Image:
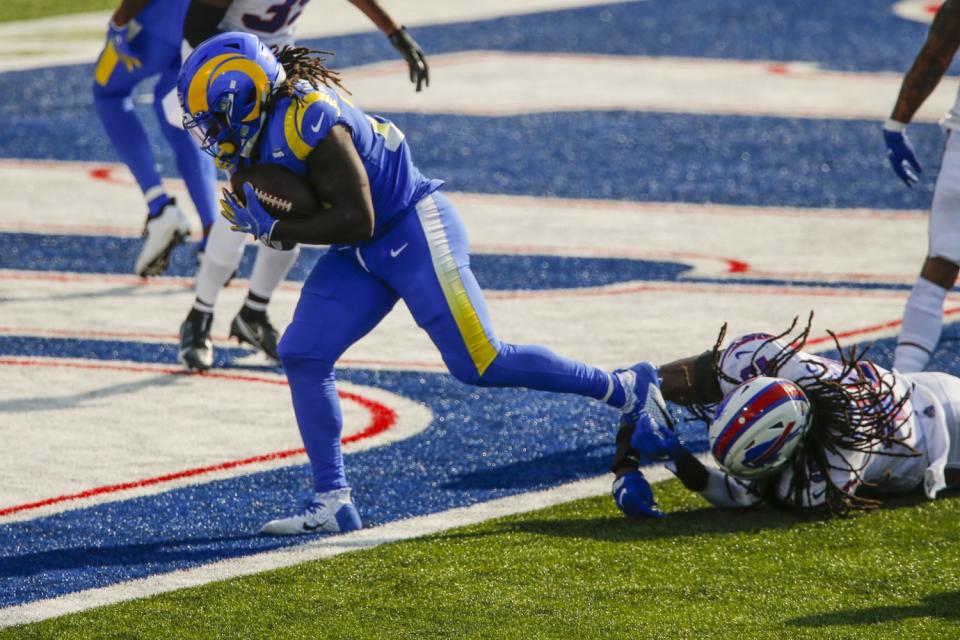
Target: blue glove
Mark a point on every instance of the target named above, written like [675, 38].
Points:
[900, 151]
[654, 440]
[119, 37]
[633, 495]
[252, 218]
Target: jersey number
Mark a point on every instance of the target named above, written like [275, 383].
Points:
[278, 16]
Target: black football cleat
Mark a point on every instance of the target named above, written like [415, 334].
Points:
[196, 348]
[254, 328]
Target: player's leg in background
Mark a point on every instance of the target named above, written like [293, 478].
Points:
[923, 314]
[112, 95]
[196, 167]
[251, 324]
[221, 258]
[340, 303]
[426, 259]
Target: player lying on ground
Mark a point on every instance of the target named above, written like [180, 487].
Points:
[394, 236]
[275, 24]
[793, 429]
[143, 41]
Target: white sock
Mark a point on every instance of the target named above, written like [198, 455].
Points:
[220, 259]
[270, 268]
[922, 325]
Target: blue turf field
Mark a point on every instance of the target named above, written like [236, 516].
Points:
[483, 443]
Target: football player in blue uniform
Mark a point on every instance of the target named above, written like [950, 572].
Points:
[275, 23]
[143, 40]
[393, 236]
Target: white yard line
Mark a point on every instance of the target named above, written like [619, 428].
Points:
[76, 39]
[318, 549]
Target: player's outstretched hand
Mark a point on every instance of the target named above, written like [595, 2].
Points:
[119, 37]
[251, 218]
[654, 440]
[900, 151]
[413, 54]
[633, 495]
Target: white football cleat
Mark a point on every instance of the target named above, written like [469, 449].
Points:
[160, 235]
[330, 512]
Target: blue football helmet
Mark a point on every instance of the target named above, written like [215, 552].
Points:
[223, 87]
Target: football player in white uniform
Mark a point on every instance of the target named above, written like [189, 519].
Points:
[274, 22]
[832, 428]
[923, 315]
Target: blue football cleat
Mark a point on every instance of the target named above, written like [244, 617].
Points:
[330, 512]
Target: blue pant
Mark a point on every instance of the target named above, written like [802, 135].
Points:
[424, 260]
[112, 95]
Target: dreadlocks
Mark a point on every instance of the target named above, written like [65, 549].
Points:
[301, 65]
[854, 409]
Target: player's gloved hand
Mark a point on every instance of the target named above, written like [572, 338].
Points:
[633, 495]
[900, 152]
[413, 54]
[252, 218]
[654, 440]
[119, 37]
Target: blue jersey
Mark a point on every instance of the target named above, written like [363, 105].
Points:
[163, 19]
[294, 128]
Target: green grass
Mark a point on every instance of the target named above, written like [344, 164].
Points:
[25, 9]
[582, 571]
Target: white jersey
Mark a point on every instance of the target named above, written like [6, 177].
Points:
[273, 21]
[921, 423]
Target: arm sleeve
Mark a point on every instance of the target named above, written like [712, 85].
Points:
[202, 22]
[723, 490]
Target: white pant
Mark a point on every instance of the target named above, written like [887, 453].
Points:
[946, 389]
[943, 231]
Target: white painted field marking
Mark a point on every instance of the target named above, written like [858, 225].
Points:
[474, 83]
[73, 39]
[325, 547]
[917, 10]
[109, 428]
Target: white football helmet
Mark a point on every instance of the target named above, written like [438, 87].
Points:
[759, 425]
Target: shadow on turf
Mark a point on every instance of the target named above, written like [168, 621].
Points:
[935, 605]
[194, 550]
[689, 522]
[538, 472]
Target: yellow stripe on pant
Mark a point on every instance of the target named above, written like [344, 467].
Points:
[481, 350]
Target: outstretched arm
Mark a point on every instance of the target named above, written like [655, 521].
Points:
[402, 41]
[931, 63]
[128, 10]
[203, 20]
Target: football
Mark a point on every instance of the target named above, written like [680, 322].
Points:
[283, 193]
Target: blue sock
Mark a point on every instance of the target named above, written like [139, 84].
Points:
[618, 396]
[317, 407]
[157, 203]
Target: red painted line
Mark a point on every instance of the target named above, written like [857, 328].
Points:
[951, 311]
[611, 290]
[67, 228]
[548, 203]
[383, 418]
